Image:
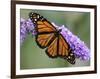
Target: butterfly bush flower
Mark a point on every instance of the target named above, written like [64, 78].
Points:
[78, 47]
[26, 27]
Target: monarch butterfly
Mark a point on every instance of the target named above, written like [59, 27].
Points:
[50, 38]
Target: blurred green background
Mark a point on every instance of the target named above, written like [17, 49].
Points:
[32, 57]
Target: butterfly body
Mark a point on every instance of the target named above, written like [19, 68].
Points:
[49, 37]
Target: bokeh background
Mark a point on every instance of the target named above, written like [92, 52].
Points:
[33, 57]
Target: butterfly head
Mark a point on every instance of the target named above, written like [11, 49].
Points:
[59, 30]
[34, 17]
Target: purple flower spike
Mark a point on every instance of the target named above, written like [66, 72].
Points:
[26, 26]
[78, 47]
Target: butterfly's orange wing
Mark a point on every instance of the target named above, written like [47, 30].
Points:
[65, 51]
[43, 40]
[44, 29]
[58, 47]
[52, 49]
[63, 47]
[44, 26]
